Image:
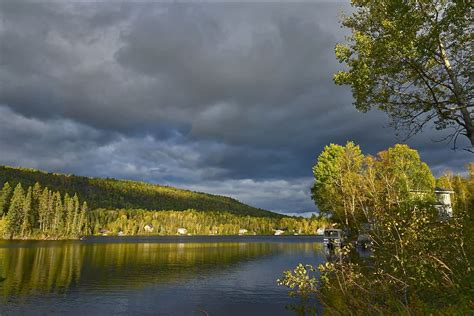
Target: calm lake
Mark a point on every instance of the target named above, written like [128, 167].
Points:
[152, 275]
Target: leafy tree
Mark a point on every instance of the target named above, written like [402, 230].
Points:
[337, 175]
[326, 171]
[413, 60]
[445, 181]
[401, 173]
[350, 186]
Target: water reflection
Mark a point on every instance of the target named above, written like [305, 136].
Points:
[26, 270]
[30, 268]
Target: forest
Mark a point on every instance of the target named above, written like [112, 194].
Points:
[35, 212]
[125, 194]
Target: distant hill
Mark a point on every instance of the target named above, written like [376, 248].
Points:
[117, 194]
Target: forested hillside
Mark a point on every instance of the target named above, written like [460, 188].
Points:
[36, 212]
[124, 194]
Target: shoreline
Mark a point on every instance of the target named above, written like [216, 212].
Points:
[170, 238]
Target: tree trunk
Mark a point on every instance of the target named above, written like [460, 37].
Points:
[459, 94]
[469, 124]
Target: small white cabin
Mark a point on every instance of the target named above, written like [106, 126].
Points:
[243, 231]
[148, 228]
[104, 231]
[182, 231]
[320, 231]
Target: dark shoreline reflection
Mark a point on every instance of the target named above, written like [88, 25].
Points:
[109, 268]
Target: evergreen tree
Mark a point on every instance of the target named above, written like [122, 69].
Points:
[5, 198]
[43, 204]
[83, 222]
[36, 195]
[58, 222]
[15, 211]
[75, 228]
[27, 225]
[69, 210]
[50, 212]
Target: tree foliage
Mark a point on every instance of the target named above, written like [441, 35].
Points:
[45, 214]
[336, 184]
[124, 194]
[15, 211]
[420, 263]
[41, 213]
[5, 198]
[133, 222]
[350, 186]
[413, 60]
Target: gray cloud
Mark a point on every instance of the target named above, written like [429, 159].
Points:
[234, 99]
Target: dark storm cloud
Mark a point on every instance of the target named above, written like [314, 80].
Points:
[212, 70]
[228, 98]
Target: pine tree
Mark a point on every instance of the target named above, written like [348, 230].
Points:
[50, 212]
[43, 204]
[5, 196]
[26, 226]
[15, 211]
[58, 224]
[83, 222]
[36, 195]
[69, 209]
[76, 230]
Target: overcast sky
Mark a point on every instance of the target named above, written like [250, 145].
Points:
[233, 99]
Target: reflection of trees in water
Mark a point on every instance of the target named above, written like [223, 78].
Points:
[27, 270]
[58, 266]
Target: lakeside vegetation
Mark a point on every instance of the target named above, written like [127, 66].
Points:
[421, 260]
[133, 222]
[35, 212]
[413, 60]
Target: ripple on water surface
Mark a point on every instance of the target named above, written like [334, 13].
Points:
[157, 275]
